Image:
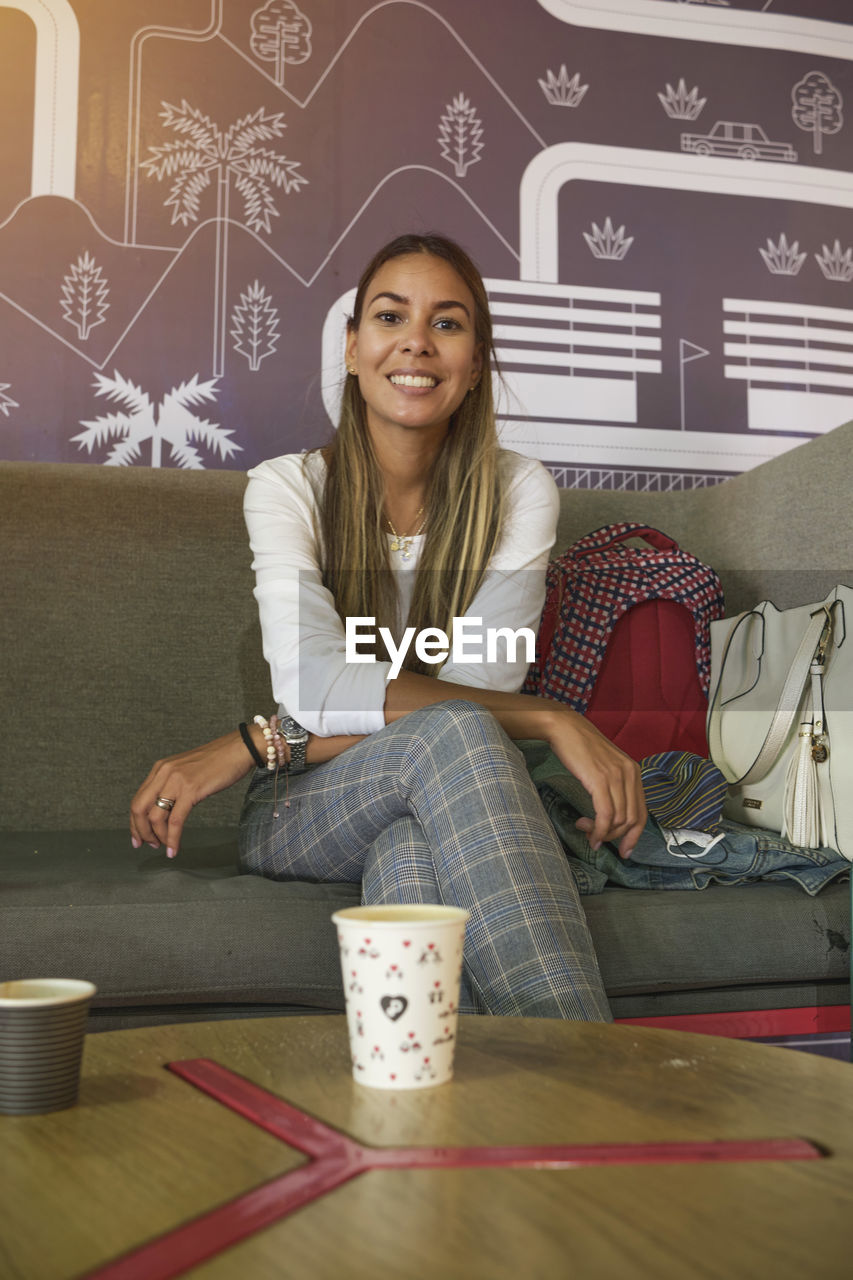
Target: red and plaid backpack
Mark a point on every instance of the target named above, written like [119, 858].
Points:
[625, 639]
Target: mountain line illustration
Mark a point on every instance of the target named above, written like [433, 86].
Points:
[205, 152]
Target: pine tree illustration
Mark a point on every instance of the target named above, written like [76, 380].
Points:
[84, 296]
[175, 424]
[6, 402]
[460, 134]
[204, 153]
[254, 325]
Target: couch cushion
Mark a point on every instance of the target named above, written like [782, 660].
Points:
[149, 931]
[152, 932]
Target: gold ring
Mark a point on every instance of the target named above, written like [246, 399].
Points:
[163, 802]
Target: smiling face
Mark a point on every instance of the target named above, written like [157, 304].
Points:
[415, 351]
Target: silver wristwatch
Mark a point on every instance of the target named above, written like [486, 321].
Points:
[297, 739]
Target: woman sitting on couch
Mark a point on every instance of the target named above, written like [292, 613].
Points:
[407, 779]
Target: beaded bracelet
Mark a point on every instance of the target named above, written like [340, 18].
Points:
[272, 754]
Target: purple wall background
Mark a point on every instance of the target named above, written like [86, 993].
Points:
[197, 340]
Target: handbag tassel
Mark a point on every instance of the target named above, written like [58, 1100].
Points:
[801, 821]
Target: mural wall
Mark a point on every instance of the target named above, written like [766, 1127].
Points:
[659, 192]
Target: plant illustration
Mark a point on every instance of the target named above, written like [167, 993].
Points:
[460, 134]
[604, 242]
[84, 296]
[204, 153]
[817, 107]
[836, 265]
[254, 325]
[281, 33]
[681, 105]
[783, 259]
[561, 91]
[174, 424]
[6, 402]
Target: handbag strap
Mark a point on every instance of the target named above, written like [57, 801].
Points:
[815, 639]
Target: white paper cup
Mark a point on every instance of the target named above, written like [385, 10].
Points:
[42, 1027]
[401, 968]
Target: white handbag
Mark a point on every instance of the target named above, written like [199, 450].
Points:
[780, 719]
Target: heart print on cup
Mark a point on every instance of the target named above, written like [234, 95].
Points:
[401, 967]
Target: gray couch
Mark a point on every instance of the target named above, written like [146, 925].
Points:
[129, 631]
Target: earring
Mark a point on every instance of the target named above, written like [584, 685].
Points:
[350, 371]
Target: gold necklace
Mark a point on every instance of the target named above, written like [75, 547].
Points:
[404, 544]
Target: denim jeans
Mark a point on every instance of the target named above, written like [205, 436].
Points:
[742, 854]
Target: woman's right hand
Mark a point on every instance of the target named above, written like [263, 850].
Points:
[186, 779]
[612, 779]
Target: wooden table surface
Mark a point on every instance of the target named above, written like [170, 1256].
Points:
[144, 1152]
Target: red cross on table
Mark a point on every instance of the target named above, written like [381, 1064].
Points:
[335, 1158]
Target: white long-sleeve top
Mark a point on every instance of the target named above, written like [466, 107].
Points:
[304, 639]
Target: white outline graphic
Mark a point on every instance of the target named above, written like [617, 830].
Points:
[561, 90]
[84, 295]
[174, 424]
[798, 346]
[214, 31]
[681, 105]
[835, 263]
[604, 242]
[738, 138]
[783, 259]
[6, 402]
[566, 162]
[254, 325]
[281, 33]
[460, 133]
[818, 107]
[57, 87]
[735, 26]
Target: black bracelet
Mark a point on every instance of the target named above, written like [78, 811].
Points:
[253, 750]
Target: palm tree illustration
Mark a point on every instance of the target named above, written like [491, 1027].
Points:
[204, 154]
[174, 424]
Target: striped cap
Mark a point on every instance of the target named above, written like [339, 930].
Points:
[683, 790]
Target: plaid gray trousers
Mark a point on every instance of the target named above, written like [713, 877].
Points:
[438, 807]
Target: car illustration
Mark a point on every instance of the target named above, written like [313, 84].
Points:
[730, 138]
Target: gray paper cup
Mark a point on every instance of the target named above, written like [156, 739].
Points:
[42, 1027]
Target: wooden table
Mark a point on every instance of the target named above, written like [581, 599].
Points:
[145, 1152]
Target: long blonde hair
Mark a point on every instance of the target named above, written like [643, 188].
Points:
[464, 498]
